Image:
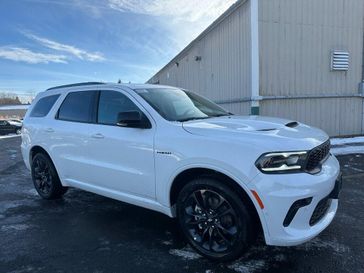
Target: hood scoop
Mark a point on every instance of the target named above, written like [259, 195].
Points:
[292, 124]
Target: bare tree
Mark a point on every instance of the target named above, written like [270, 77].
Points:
[9, 98]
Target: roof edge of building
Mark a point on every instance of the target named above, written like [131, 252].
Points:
[212, 26]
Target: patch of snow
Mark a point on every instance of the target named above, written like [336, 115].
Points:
[319, 243]
[9, 136]
[350, 140]
[356, 169]
[103, 249]
[5, 205]
[32, 192]
[15, 107]
[27, 268]
[185, 253]
[248, 266]
[280, 258]
[167, 243]
[103, 241]
[17, 227]
[345, 150]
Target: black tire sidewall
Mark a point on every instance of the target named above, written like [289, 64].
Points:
[56, 187]
[245, 224]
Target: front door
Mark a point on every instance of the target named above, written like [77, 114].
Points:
[123, 157]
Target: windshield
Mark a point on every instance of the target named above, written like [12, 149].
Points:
[178, 105]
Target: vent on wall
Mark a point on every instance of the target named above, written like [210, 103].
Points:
[340, 60]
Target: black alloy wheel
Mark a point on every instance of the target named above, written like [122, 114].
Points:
[45, 178]
[214, 219]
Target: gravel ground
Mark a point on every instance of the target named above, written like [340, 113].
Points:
[84, 232]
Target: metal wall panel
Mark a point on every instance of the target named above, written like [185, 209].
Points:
[224, 70]
[239, 108]
[337, 116]
[296, 39]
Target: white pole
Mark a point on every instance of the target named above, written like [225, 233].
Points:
[254, 29]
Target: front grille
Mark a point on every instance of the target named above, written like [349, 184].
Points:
[317, 155]
[320, 210]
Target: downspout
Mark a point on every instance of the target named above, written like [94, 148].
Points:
[254, 32]
[362, 77]
[361, 87]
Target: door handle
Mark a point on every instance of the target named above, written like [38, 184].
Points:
[98, 136]
[49, 130]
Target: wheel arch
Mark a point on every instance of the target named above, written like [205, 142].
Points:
[35, 150]
[188, 174]
[39, 149]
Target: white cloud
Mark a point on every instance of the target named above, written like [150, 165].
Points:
[19, 54]
[181, 20]
[77, 52]
[185, 10]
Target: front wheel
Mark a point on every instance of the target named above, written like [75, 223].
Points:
[18, 131]
[214, 219]
[45, 177]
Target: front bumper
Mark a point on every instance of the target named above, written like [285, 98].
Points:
[279, 192]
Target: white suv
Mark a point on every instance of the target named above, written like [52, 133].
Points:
[224, 177]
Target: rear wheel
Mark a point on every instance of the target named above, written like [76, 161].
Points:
[18, 131]
[45, 177]
[214, 219]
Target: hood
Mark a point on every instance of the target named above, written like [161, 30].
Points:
[273, 133]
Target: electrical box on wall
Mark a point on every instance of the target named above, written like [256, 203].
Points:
[339, 60]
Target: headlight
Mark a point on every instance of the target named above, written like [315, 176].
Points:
[282, 162]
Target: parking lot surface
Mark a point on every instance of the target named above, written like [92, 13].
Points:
[84, 232]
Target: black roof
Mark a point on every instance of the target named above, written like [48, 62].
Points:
[75, 84]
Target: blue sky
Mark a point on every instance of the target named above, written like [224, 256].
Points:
[47, 43]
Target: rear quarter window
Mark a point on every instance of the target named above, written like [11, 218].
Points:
[43, 106]
[79, 107]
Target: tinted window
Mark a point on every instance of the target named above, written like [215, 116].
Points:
[111, 103]
[3, 122]
[43, 106]
[78, 106]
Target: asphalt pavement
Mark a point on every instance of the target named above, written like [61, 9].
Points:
[84, 232]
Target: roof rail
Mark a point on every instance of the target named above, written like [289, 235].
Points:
[75, 84]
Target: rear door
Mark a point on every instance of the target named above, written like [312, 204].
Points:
[69, 136]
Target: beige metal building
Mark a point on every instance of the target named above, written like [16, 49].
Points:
[299, 59]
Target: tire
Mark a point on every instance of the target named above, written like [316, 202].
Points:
[18, 131]
[45, 178]
[214, 219]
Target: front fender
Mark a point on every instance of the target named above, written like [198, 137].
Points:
[164, 186]
[165, 183]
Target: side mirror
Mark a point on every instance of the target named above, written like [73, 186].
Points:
[133, 119]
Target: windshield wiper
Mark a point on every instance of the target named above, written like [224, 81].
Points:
[213, 116]
[195, 118]
[222, 115]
